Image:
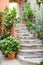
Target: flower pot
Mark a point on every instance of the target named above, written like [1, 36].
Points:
[6, 55]
[11, 56]
[13, 32]
[2, 29]
[16, 54]
[24, 21]
[36, 34]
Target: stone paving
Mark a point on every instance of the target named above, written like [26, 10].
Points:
[31, 47]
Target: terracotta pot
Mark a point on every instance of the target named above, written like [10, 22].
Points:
[11, 56]
[36, 34]
[24, 22]
[2, 28]
[6, 55]
[16, 54]
[13, 32]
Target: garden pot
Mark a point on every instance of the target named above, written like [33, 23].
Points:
[11, 56]
[36, 34]
[13, 32]
[2, 29]
[6, 55]
[15, 54]
[24, 21]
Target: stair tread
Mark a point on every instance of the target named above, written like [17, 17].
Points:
[31, 50]
[33, 60]
[31, 44]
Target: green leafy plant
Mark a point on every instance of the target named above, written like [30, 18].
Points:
[27, 4]
[41, 34]
[37, 29]
[24, 16]
[9, 18]
[10, 45]
[27, 13]
[41, 63]
[29, 24]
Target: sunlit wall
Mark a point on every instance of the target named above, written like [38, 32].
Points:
[3, 4]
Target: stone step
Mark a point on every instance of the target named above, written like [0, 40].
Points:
[31, 46]
[30, 41]
[23, 32]
[30, 36]
[21, 25]
[32, 50]
[26, 34]
[21, 29]
[29, 61]
[31, 53]
[27, 37]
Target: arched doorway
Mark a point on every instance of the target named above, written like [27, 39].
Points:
[15, 5]
[18, 4]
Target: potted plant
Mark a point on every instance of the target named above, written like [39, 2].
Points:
[2, 28]
[10, 47]
[24, 17]
[37, 31]
[24, 14]
[29, 14]
[29, 24]
[10, 20]
[41, 34]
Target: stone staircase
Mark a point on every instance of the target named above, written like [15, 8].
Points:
[31, 52]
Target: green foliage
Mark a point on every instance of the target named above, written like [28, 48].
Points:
[9, 18]
[13, 12]
[33, 27]
[41, 34]
[37, 29]
[27, 13]
[29, 24]
[27, 4]
[4, 35]
[10, 45]
[24, 15]
[41, 63]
